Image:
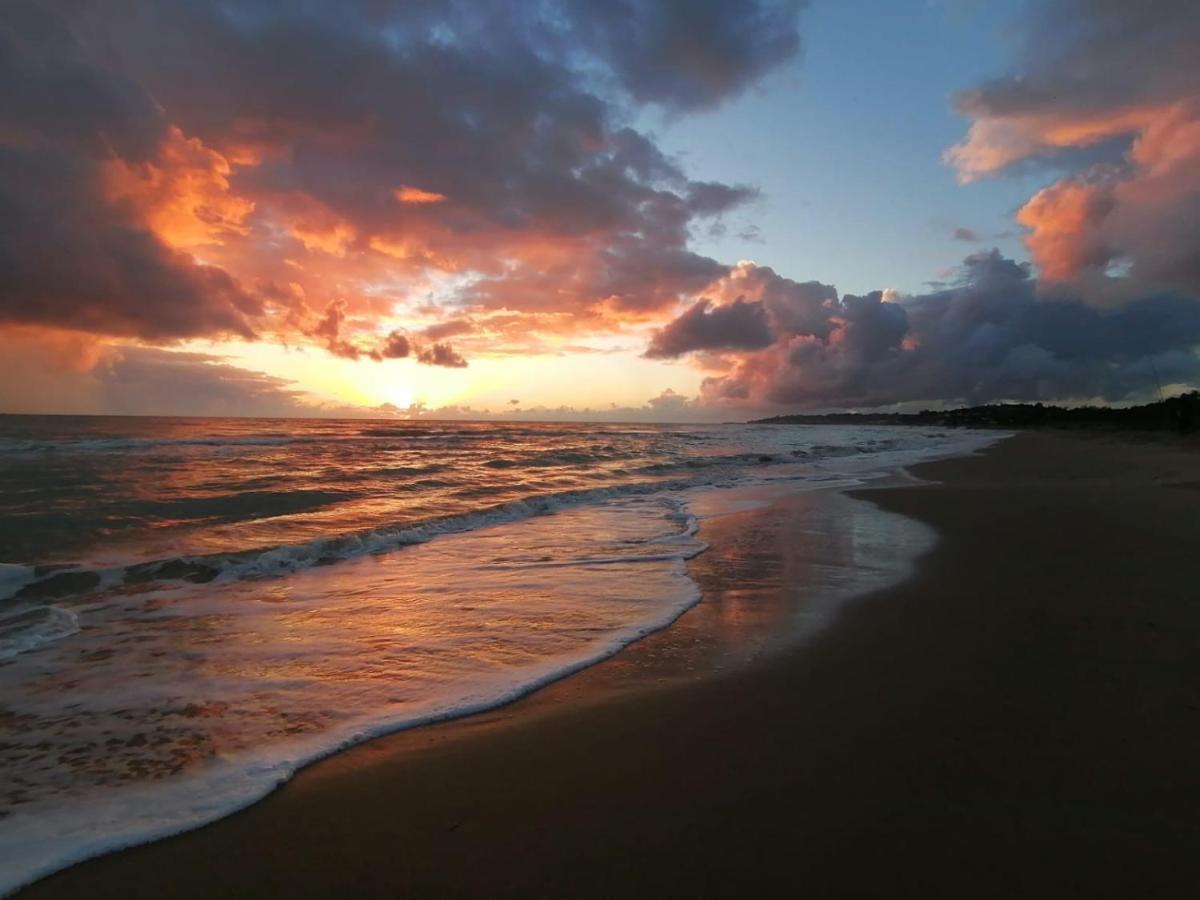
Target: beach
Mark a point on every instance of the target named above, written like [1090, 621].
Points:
[1018, 715]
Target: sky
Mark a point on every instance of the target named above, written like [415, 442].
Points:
[633, 209]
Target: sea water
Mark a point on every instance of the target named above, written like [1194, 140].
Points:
[191, 609]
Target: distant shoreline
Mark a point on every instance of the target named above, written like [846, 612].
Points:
[1180, 414]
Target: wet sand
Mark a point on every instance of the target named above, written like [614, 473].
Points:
[1019, 718]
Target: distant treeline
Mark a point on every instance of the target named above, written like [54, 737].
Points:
[1180, 414]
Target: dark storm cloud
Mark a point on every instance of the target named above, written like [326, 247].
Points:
[741, 325]
[469, 103]
[68, 256]
[54, 90]
[69, 259]
[794, 307]
[1094, 56]
[483, 137]
[989, 337]
[713, 198]
[688, 53]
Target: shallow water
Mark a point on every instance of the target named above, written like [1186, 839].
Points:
[197, 607]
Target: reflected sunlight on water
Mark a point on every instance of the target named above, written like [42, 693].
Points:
[195, 608]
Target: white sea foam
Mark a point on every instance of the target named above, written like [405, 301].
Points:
[51, 841]
[27, 628]
[347, 652]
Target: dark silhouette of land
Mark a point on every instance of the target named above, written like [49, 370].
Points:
[1174, 414]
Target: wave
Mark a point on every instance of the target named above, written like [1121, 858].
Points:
[14, 577]
[257, 504]
[836, 451]
[706, 462]
[39, 845]
[30, 628]
[61, 581]
[127, 443]
[16, 445]
[32, 529]
[550, 458]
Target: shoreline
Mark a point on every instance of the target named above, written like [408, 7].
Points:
[826, 503]
[662, 654]
[594, 782]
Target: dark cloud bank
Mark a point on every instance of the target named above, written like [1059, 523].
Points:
[1107, 93]
[991, 336]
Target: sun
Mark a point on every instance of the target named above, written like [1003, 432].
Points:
[401, 394]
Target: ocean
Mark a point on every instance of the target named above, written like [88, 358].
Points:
[191, 609]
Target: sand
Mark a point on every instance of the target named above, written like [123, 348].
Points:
[1019, 718]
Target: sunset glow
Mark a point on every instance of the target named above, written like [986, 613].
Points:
[616, 448]
[372, 241]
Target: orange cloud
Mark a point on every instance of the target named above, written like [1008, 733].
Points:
[1137, 214]
[413, 251]
[1107, 91]
[416, 196]
[995, 143]
[1063, 220]
[183, 195]
[253, 201]
[333, 238]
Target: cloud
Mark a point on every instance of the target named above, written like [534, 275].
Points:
[140, 380]
[336, 147]
[68, 259]
[375, 177]
[1110, 92]
[407, 194]
[966, 235]
[441, 355]
[740, 325]
[995, 334]
[688, 53]
[713, 198]
[668, 406]
[70, 256]
[672, 405]
[62, 372]
[449, 328]
[329, 327]
[396, 346]
[791, 306]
